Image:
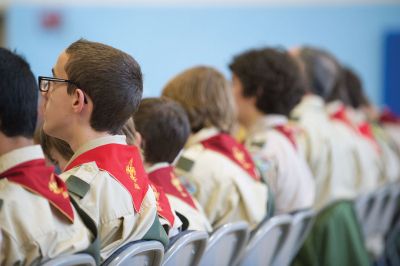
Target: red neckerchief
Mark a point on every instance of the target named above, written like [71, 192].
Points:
[163, 207]
[341, 115]
[388, 117]
[288, 132]
[165, 178]
[124, 163]
[36, 177]
[228, 146]
[366, 131]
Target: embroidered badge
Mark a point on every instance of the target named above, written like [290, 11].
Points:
[177, 184]
[53, 187]
[131, 171]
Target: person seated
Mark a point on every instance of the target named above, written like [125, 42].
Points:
[37, 219]
[266, 86]
[94, 91]
[164, 129]
[225, 179]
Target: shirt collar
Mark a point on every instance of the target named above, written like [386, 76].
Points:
[91, 144]
[267, 122]
[18, 156]
[203, 134]
[156, 166]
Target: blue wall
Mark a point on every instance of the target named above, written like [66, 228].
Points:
[168, 40]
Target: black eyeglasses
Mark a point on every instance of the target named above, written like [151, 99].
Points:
[44, 84]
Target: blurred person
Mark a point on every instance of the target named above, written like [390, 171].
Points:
[266, 86]
[384, 146]
[226, 182]
[94, 91]
[335, 237]
[37, 219]
[164, 128]
[391, 123]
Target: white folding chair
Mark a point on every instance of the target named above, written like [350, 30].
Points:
[375, 218]
[389, 210]
[300, 227]
[186, 249]
[71, 260]
[146, 253]
[266, 240]
[226, 244]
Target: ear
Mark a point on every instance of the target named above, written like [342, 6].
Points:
[78, 100]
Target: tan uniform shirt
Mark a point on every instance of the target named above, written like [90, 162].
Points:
[109, 204]
[332, 162]
[226, 192]
[196, 217]
[32, 229]
[286, 172]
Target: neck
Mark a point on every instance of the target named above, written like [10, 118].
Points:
[8, 144]
[253, 115]
[84, 135]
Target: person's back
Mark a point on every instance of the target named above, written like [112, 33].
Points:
[37, 219]
[225, 180]
[264, 102]
[329, 153]
[102, 87]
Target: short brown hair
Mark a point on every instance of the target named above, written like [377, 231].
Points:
[111, 78]
[48, 142]
[205, 95]
[164, 127]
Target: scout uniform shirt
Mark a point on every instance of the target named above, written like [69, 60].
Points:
[226, 183]
[286, 171]
[171, 223]
[163, 175]
[391, 124]
[37, 220]
[107, 179]
[324, 151]
[367, 159]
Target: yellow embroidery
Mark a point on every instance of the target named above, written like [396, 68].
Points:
[177, 184]
[55, 189]
[157, 194]
[239, 156]
[131, 171]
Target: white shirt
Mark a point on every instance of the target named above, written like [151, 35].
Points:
[288, 175]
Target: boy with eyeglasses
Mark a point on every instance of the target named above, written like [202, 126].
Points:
[99, 88]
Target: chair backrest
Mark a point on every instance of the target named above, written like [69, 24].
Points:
[186, 249]
[375, 217]
[363, 206]
[143, 252]
[71, 260]
[391, 201]
[300, 227]
[266, 240]
[226, 244]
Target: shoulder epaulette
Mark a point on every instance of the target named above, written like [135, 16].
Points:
[184, 164]
[77, 186]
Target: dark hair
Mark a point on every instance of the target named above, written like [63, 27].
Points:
[354, 89]
[164, 127]
[18, 96]
[111, 78]
[323, 73]
[270, 75]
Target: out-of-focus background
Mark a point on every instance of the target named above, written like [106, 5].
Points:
[167, 36]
